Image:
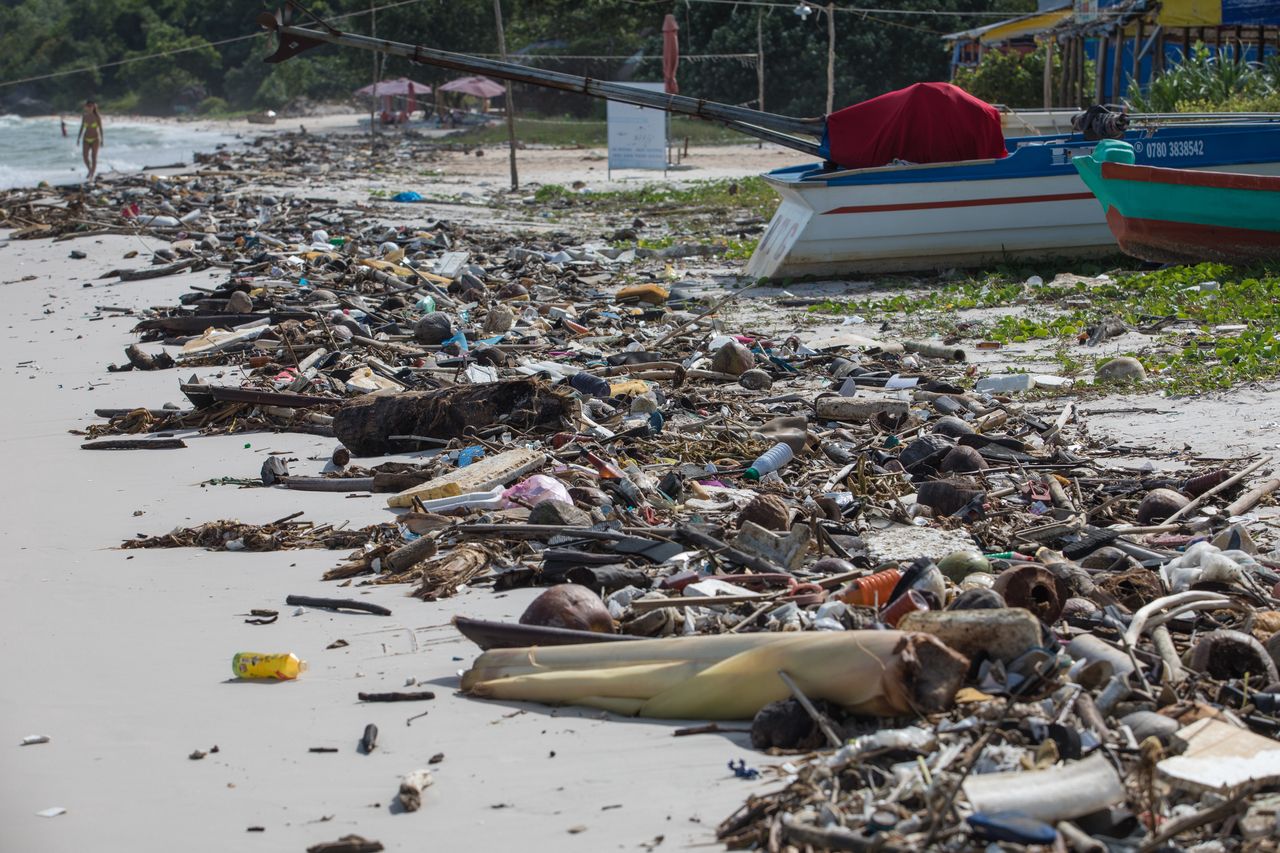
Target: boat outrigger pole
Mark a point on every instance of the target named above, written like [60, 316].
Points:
[783, 130]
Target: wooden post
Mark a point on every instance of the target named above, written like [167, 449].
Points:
[511, 109]
[1157, 60]
[1217, 41]
[1100, 85]
[1048, 72]
[1117, 62]
[373, 107]
[1061, 93]
[760, 65]
[1186, 43]
[831, 57]
[1137, 52]
[1082, 69]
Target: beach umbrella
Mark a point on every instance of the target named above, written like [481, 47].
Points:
[481, 87]
[670, 54]
[401, 86]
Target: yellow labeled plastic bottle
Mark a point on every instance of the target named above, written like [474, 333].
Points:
[257, 665]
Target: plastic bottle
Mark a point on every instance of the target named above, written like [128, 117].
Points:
[592, 386]
[284, 666]
[871, 591]
[769, 461]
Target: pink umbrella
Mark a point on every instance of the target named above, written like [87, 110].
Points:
[670, 54]
[481, 87]
[401, 86]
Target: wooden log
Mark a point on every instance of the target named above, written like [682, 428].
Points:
[329, 484]
[365, 424]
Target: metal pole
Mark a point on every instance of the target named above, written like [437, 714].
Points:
[511, 109]
[760, 64]
[831, 58]
[373, 100]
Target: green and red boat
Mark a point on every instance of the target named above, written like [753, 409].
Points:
[1183, 215]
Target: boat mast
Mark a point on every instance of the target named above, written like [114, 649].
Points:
[783, 130]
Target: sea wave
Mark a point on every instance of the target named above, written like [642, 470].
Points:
[34, 150]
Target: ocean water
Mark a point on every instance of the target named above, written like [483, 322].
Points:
[34, 150]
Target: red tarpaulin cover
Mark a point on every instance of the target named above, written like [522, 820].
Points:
[924, 123]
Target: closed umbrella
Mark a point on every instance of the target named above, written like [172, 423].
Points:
[670, 54]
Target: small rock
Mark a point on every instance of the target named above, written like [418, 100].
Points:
[560, 514]
[733, 358]
[755, 380]
[239, 303]
[1122, 369]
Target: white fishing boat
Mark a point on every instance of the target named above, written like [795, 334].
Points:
[943, 215]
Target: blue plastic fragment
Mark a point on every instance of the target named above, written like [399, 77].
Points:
[469, 454]
[407, 195]
[742, 771]
[459, 338]
[1018, 827]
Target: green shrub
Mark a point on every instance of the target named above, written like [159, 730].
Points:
[1207, 83]
[213, 106]
[1009, 78]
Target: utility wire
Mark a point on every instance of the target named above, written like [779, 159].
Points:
[86, 68]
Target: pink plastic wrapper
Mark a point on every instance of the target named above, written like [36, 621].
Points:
[536, 489]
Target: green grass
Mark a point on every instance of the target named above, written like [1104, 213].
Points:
[1192, 358]
[569, 132]
[751, 195]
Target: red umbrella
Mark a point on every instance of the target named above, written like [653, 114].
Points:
[670, 54]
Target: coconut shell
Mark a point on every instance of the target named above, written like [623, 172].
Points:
[569, 606]
[755, 380]
[963, 460]
[733, 358]
[768, 511]
[1159, 504]
[500, 319]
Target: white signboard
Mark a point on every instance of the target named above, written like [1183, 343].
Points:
[637, 135]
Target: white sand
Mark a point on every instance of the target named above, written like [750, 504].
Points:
[123, 657]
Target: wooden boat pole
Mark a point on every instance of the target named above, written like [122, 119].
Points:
[782, 130]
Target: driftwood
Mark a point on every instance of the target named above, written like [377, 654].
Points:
[417, 696]
[157, 272]
[347, 844]
[405, 558]
[136, 444]
[337, 604]
[365, 424]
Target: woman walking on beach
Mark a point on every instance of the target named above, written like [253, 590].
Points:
[91, 131]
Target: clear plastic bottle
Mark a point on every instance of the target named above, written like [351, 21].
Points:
[769, 461]
[283, 667]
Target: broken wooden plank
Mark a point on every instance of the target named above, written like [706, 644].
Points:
[479, 476]
[143, 273]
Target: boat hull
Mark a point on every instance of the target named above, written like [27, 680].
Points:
[1032, 204]
[1168, 242]
[1182, 215]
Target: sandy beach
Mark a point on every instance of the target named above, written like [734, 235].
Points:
[122, 657]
